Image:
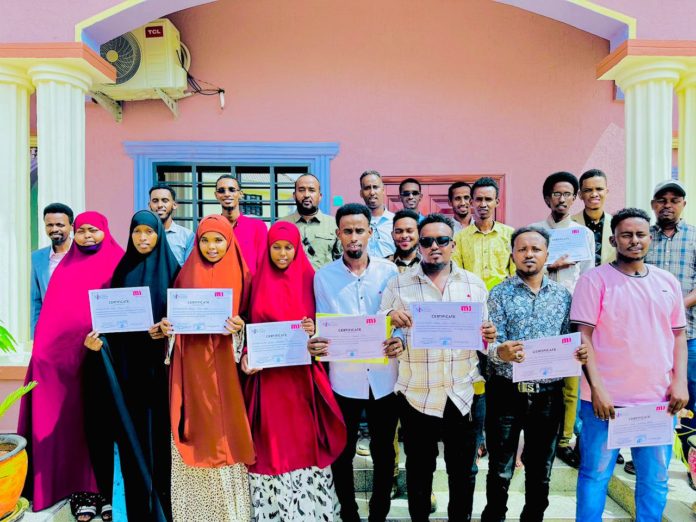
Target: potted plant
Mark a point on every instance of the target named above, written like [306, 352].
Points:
[13, 455]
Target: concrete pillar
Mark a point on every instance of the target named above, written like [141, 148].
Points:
[686, 91]
[15, 256]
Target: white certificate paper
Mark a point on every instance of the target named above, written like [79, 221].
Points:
[548, 358]
[199, 310]
[571, 241]
[638, 426]
[271, 345]
[121, 309]
[353, 337]
[450, 326]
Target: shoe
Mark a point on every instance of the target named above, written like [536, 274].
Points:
[619, 459]
[568, 455]
[363, 448]
[433, 503]
[630, 468]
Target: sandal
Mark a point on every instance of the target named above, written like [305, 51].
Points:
[107, 513]
[85, 513]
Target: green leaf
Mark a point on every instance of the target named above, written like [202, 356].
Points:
[7, 342]
[15, 396]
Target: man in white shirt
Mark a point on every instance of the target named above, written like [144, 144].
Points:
[353, 285]
[163, 203]
[381, 219]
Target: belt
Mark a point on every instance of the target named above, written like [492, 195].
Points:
[538, 387]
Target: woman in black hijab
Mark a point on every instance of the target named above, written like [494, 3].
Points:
[138, 359]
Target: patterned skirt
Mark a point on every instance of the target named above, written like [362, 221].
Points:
[305, 494]
[209, 494]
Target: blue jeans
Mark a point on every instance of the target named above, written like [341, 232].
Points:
[690, 424]
[597, 465]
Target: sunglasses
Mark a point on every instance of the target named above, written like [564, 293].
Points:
[223, 190]
[427, 242]
[310, 248]
[409, 193]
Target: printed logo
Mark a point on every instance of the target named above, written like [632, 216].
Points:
[370, 320]
[219, 294]
[566, 340]
[137, 292]
[156, 31]
[661, 407]
[465, 308]
[575, 231]
[295, 326]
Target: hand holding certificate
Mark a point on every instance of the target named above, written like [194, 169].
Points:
[199, 310]
[272, 345]
[121, 309]
[353, 337]
[548, 358]
[639, 426]
[571, 241]
[451, 326]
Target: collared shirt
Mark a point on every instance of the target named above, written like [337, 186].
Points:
[597, 228]
[337, 290]
[519, 314]
[568, 277]
[404, 266]
[458, 226]
[677, 255]
[318, 237]
[486, 254]
[427, 378]
[180, 241]
[381, 243]
[54, 258]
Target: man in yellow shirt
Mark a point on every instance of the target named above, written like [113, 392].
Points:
[484, 246]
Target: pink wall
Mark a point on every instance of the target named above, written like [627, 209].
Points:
[404, 87]
[659, 19]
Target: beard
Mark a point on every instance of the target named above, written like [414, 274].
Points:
[164, 218]
[58, 241]
[304, 211]
[405, 253]
[354, 254]
[433, 268]
[626, 259]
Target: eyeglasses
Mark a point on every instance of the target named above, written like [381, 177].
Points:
[310, 248]
[223, 190]
[409, 193]
[427, 242]
[566, 195]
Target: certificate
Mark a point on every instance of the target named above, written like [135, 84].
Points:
[571, 241]
[121, 309]
[638, 426]
[450, 326]
[277, 344]
[548, 358]
[199, 310]
[353, 337]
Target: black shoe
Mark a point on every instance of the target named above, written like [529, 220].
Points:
[619, 459]
[568, 455]
[630, 468]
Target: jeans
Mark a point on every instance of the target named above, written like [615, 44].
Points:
[459, 434]
[540, 416]
[382, 417]
[690, 424]
[597, 466]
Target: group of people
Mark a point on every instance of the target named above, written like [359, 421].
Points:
[202, 435]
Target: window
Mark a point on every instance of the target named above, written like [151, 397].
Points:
[267, 189]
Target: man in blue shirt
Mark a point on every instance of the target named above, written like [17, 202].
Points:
[163, 203]
[381, 219]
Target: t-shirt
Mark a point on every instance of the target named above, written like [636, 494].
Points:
[633, 318]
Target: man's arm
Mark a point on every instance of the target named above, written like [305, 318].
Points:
[678, 390]
[36, 299]
[458, 252]
[690, 299]
[601, 401]
[189, 246]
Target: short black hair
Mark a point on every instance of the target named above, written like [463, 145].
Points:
[352, 209]
[59, 208]
[592, 173]
[454, 186]
[485, 182]
[558, 177]
[404, 213]
[229, 176]
[307, 174]
[526, 230]
[369, 173]
[162, 186]
[628, 213]
[436, 218]
[409, 180]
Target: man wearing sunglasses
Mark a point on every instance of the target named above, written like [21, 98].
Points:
[411, 194]
[251, 233]
[435, 388]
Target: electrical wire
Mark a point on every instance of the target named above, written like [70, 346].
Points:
[195, 84]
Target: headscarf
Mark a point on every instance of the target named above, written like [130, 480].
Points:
[292, 289]
[156, 270]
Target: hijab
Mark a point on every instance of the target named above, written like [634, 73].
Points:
[292, 289]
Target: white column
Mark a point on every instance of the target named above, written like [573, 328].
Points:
[15, 256]
[686, 91]
[649, 89]
[60, 119]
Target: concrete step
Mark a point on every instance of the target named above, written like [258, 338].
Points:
[57, 513]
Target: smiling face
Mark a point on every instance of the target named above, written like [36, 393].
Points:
[593, 192]
[411, 196]
[529, 253]
[484, 202]
[213, 246]
[144, 239]
[162, 204]
[88, 235]
[58, 228]
[354, 232]
[461, 201]
[436, 255]
[561, 199]
[372, 192]
[282, 254]
[631, 239]
[227, 192]
[405, 235]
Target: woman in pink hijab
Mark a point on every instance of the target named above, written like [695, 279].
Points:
[52, 415]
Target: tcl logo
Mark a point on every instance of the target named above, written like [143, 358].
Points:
[294, 326]
[465, 308]
[566, 340]
[137, 292]
[219, 294]
[370, 320]
[155, 31]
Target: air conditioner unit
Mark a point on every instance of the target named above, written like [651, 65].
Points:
[148, 61]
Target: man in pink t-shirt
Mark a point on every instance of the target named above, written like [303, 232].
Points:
[631, 317]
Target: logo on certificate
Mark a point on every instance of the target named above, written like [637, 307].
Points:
[661, 407]
[566, 340]
[370, 320]
[219, 294]
[137, 292]
[295, 326]
[465, 308]
[575, 231]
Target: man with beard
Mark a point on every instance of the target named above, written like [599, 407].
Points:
[593, 192]
[353, 285]
[436, 387]
[459, 197]
[251, 233]
[411, 194]
[631, 318]
[405, 236]
[318, 230]
[163, 203]
[673, 248]
[381, 219]
[484, 248]
[58, 219]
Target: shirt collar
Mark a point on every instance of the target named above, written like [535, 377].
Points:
[475, 229]
[399, 262]
[561, 224]
[677, 227]
[54, 254]
[316, 218]
[517, 280]
[588, 220]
